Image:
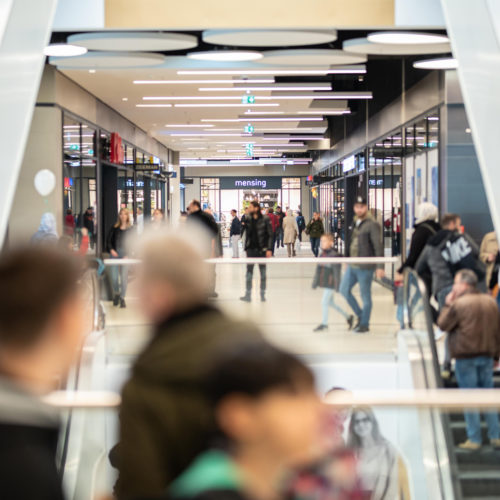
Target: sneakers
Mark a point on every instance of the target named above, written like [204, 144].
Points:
[495, 443]
[361, 329]
[320, 328]
[471, 446]
[350, 322]
[446, 370]
[116, 300]
[246, 298]
[123, 305]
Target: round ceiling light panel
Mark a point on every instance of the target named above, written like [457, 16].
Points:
[109, 60]
[269, 38]
[406, 38]
[225, 55]
[441, 63]
[134, 41]
[64, 50]
[364, 46]
[311, 57]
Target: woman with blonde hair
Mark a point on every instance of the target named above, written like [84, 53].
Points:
[116, 246]
[290, 233]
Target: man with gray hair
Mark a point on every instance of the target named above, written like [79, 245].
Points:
[472, 320]
[165, 420]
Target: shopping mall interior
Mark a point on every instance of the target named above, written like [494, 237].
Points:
[115, 106]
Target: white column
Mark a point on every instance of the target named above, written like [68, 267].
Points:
[26, 33]
[474, 27]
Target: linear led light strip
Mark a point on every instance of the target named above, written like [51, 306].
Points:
[187, 125]
[277, 87]
[354, 69]
[204, 105]
[306, 96]
[201, 82]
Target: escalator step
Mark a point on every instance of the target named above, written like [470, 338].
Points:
[486, 457]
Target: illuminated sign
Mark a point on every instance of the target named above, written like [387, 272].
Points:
[250, 182]
[349, 164]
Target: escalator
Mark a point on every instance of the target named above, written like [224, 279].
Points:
[475, 475]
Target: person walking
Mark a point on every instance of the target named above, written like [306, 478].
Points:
[69, 223]
[89, 223]
[365, 237]
[258, 243]
[274, 224]
[235, 234]
[488, 252]
[117, 247]
[328, 277]
[472, 321]
[315, 230]
[279, 230]
[243, 220]
[290, 233]
[47, 231]
[301, 224]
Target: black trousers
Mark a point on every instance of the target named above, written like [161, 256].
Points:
[252, 253]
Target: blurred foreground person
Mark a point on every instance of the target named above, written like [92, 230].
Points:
[472, 321]
[47, 231]
[268, 421]
[165, 418]
[41, 330]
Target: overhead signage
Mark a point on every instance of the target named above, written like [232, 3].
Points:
[250, 183]
[249, 129]
[248, 99]
[349, 164]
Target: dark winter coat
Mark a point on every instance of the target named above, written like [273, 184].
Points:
[165, 418]
[235, 227]
[365, 240]
[315, 228]
[265, 235]
[208, 222]
[422, 233]
[446, 253]
[328, 275]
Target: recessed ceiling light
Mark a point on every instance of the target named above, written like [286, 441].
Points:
[226, 55]
[403, 37]
[92, 71]
[353, 69]
[440, 63]
[199, 82]
[124, 98]
[63, 50]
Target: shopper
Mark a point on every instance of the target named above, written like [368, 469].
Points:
[446, 253]
[69, 223]
[275, 221]
[41, 329]
[488, 252]
[268, 419]
[382, 471]
[279, 231]
[165, 418]
[472, 321]
[207, 221]
[315, 229]
[328, 277]
[235, 234]
[158, 219]
[117, 247]
[426, 226]
[88, 222]
[47, 231]
[290, 233]
[365, 241]
[301, 224]
[243, 220]
[258, 243]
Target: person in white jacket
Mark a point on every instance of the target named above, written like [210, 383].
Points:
[290, 233]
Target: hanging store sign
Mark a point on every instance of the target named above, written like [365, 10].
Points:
[250, 182]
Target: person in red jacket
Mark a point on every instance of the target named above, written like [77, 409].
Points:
[69, 223]
[275, 222]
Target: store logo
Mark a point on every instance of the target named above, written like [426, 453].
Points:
[252, 183]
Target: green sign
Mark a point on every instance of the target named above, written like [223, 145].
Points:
[249, 149]
[74, 147]
[248, 99]
[91, 152]
[249, 129]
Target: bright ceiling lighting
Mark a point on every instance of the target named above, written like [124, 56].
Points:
[187, 125]
[406, 38]
[264, 119]
[201, 82]
[440, 63]
[201, 134]
[433, 118]
[224, 105]
[306, 96]
[355, 69]
[153, 105]
[326, 112]
[226, 55]
[249, 112]
[245, 88]
[64, 50]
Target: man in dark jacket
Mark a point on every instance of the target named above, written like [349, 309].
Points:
[279, 230]
[41, 330]
[165, 418]
[235, 234]
[258, 243]
[472, 321]
[365, 241]
[446, 253]
[315, 230]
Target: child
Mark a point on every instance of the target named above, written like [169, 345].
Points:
[328, 277]
[269, 421]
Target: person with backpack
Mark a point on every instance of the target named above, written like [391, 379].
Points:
[301, 223]
[328, 277]
[315, 230]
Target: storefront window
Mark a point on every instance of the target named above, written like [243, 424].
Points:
[291, 193]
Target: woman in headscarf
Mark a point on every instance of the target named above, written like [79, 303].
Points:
[426, 226]
[47, 231]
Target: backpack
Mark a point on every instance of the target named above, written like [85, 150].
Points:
[458, 254]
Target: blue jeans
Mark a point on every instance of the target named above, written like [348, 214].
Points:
[327, 302]
[477, 373]
[279, 237]
[119, 278]
[315, 246]
[364, 277]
